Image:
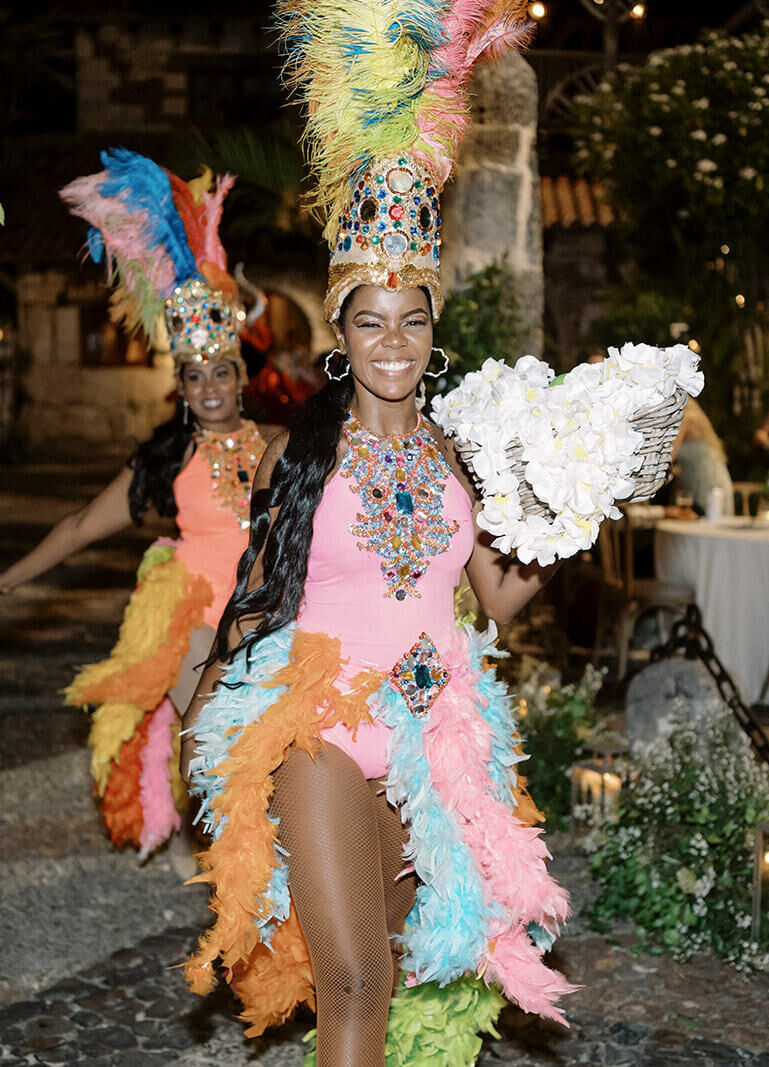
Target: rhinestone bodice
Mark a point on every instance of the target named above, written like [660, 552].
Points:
[350, 592]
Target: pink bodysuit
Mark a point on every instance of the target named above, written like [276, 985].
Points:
[345, 596]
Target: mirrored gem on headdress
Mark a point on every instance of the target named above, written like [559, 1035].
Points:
[395, 244]
[368, 210]
[400, 180]
[199, 337]
[425, 217]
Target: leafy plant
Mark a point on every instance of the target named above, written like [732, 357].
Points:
[679, 861]
[479, 321]
[556, 721]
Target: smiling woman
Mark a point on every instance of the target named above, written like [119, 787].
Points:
[352, 722]
[197, 468]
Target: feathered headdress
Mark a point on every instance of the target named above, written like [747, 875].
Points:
[385, 90]
[159, 238]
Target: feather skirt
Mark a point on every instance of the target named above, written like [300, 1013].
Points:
[134, 729]
[485, 907]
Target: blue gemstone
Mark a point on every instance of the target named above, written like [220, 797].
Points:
[436, 253]
[347, 244]
[381, 226]
[365, 229]
[413, 229]
[381, 194]
[422, 676]
[404, 503]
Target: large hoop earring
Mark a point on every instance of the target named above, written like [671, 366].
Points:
[444, 368]
[327, 368]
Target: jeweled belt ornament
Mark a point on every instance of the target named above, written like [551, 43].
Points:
[420, 677]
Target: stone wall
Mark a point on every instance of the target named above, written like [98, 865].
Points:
[492, 209]
[137, 77]
[70, 406]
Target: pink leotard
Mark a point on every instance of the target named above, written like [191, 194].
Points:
[345, 597]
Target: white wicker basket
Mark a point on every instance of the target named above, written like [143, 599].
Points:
[659, 426]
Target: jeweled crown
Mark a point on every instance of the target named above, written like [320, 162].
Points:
[389, 235]
[203, 325]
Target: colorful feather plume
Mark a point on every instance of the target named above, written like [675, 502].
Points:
[379, 77]
[153, 230]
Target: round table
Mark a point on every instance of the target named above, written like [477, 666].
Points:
[727, 565]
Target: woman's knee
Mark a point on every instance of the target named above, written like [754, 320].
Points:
[361, 987]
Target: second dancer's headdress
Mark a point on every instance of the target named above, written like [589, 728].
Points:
[384, 85]
[160, 239]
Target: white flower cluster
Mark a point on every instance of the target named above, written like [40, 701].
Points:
[579, 447]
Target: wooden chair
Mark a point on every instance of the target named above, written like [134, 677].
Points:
[624, 599]
[744, 495]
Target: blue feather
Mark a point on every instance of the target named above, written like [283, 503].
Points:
[144, 186]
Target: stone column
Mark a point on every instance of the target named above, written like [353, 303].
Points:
[492, 208]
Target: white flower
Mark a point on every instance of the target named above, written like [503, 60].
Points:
[655, 131]
[706, 166]
[702, 104]
[718, 138]
[698, 135]
[671, 163]
[576, 440]
[748, 173]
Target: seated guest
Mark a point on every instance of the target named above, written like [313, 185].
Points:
[699, 460]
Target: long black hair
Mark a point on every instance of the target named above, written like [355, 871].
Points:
[156, 463]
[296, 487]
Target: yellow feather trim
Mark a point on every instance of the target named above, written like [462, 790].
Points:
[111, 725]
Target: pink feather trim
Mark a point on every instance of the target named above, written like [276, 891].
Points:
[158, 811]
[509, 855]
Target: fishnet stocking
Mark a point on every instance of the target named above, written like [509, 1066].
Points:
[399, 892]
[331, 823]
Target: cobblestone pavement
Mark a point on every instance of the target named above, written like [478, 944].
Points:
[91, 938]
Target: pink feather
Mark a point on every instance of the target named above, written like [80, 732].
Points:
[158, 810]
[474, 30]
[509, 855]
[214, 203]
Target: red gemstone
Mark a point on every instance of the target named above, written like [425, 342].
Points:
[396, 211]
[392, 280]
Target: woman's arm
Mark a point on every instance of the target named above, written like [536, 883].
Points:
[214, 672]
[106, 514]
[502, 584]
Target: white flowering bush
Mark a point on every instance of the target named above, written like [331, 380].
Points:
[679, 862]
[682, 143]
[579, 447]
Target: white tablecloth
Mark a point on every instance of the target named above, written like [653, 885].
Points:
[727, 565]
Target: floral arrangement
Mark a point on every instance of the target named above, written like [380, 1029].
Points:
[556, 722]
[579, 447]
[694, 117]
[679, 861]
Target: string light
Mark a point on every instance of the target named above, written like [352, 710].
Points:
[638, 11]
[537, 10]
[694, 345]
[739, 300]
[725, 249]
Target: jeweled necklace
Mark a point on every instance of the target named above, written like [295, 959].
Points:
[232, 459]
[400, 482]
